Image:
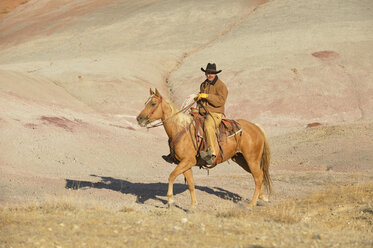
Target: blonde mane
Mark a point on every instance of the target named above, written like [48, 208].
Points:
[181, 120]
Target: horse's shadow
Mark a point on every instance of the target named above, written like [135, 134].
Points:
[146, 191]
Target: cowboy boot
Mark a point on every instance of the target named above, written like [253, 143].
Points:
[208, 157]
[169, 158]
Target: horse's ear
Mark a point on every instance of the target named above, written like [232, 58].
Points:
[157, 93]
[151, 92]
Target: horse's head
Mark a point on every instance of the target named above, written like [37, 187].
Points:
[152, 110]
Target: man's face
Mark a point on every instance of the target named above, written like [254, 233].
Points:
[210, 77]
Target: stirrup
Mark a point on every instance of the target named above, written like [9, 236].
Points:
[208, 157]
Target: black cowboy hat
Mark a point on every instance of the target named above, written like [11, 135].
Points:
[211, 68]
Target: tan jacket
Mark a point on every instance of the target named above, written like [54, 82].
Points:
[217, 95]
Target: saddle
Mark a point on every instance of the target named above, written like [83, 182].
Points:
[226, 129]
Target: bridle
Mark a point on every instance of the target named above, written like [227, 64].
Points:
[161, 123]
[156, 107]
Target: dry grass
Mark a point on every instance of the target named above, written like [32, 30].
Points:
[332, 217]
[332, 206]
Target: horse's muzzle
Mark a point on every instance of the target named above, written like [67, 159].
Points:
[142, 121]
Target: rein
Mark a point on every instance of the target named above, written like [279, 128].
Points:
[161, 123]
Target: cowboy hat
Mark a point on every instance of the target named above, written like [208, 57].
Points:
[211, 69]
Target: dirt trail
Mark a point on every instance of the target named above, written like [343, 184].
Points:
[253, 6]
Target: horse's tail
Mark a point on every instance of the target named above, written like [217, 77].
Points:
[265, 161]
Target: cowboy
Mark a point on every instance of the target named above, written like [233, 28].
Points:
[211, 100]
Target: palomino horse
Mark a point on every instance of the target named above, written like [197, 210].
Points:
[250, 149]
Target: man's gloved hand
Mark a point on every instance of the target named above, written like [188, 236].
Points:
[201, 96]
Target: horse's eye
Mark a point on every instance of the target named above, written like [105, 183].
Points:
[153, 104]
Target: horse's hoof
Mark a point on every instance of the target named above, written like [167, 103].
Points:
[192, 209]
[264, 198]
[251, 205]
[171, 205]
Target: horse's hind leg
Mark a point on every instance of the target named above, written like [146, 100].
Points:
[252, 167]
[189, 177]
[262, 196]
[258, 178]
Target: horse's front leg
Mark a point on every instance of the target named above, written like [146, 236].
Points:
[182, 167]
[189, 177]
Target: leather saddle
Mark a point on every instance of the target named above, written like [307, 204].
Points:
[226, 129]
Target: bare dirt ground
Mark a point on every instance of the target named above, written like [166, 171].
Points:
[7, 6]
[77, 171]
